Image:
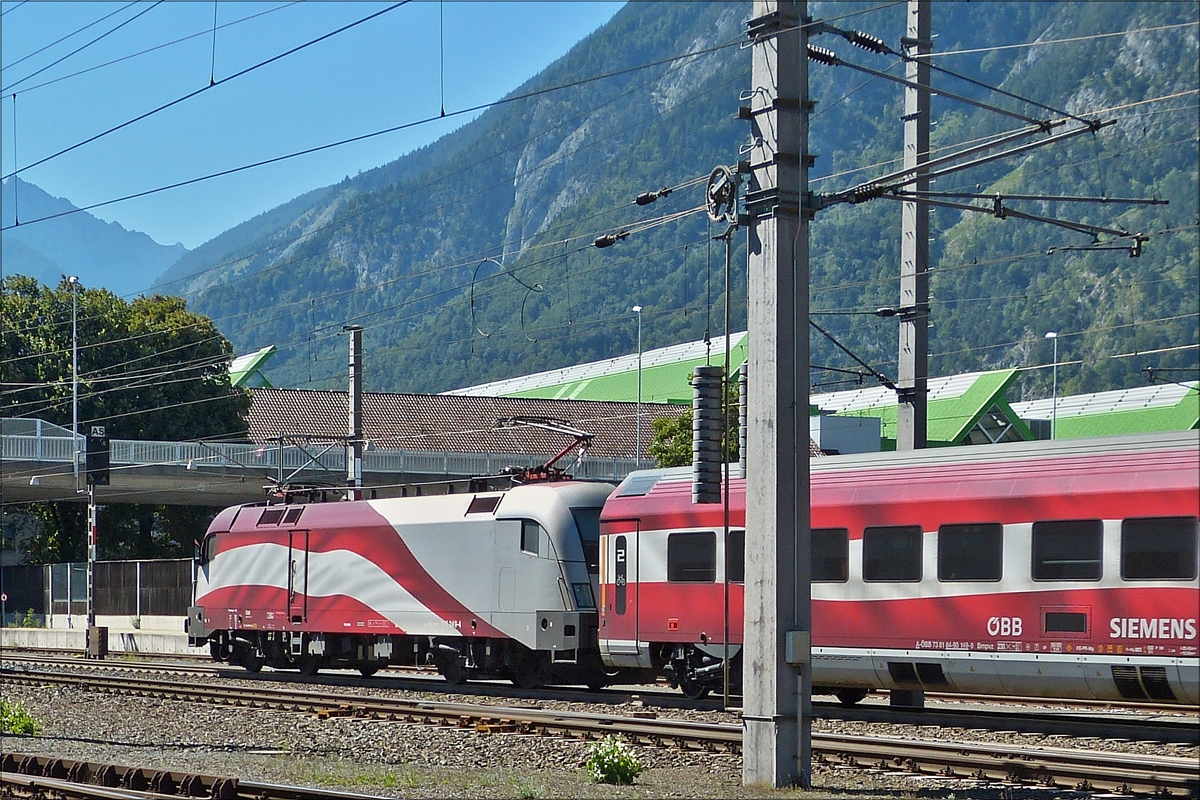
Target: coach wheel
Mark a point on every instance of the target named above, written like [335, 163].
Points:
[309, 665]
[530, 672]
[367, 671]
[849, 697]
[693, 689]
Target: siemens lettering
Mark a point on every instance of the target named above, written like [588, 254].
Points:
[1158, 628]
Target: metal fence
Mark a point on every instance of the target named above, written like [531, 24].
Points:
[122, 588]
[34, 440]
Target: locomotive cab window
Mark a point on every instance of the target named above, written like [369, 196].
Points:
[692, 557]
[1158, 548]
[1068, 550]
[970, 552]
[587, 520]
[830, 555]
[531, 534]
[892, 553]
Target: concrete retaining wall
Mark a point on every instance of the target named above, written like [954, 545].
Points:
[156, 635]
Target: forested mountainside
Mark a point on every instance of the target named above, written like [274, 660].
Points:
[472, 259]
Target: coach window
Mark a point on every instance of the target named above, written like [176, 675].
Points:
[531, 533]
[1068, 550]
[1158, 548]
[692, 557]
[970, 552]
[892, 553]
[830, 555]
[735, 557]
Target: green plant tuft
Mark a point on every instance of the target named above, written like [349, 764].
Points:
[611, 761]
[15, 719]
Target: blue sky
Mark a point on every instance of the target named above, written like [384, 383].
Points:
[383, 73]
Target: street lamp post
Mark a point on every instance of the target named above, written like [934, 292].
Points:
[638, 442]
[1053, 336]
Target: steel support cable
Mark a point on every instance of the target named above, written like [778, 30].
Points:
[889, 183]
[44, 404]
[81, 48]
[460, 287]
[61, 39]
[876, 45]
[161, 371]
[162, 46]
[332, 222]
[998, 210]
[607, 265]
[1047, 42]
[203, 89]
[824, 56]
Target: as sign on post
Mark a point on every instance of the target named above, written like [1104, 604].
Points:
[96, 461]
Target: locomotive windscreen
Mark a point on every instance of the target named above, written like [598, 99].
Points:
[587, 520]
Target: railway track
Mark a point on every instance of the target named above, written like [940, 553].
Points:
[36, 777]
[1041, 766]
[1145, 722]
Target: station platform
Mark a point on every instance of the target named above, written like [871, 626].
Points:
[154, 635]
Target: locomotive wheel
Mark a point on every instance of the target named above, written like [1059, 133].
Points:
[693, 689]
[849, 697]
[453, 670]
[252, 661]
[220, 651]
[530, 672]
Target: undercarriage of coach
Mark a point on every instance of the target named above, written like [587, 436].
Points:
[698, 670]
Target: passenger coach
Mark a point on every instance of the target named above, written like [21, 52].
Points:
[1064, 569]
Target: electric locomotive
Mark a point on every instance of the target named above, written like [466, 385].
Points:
[497, 584]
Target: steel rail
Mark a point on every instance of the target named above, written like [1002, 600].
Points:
[33, 775]
[1127, 722]
[1057, 767]
[1050, 767]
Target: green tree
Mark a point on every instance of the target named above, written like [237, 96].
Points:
[148, 369]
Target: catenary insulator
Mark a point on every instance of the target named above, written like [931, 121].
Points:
[706, 434]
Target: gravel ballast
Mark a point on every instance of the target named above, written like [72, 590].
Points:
[395, 759]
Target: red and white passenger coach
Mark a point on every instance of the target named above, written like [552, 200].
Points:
[1052, 569]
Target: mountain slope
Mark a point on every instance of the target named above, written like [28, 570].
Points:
[471, 259]
[102, 254]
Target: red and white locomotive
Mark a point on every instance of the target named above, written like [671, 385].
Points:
[483, 584]
[1064, 569]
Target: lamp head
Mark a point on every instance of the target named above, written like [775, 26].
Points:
[1052, 335]
[637, 309]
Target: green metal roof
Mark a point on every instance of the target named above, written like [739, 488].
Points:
[963, 409]
[664, 374]
[245, 372]
[1144, 409]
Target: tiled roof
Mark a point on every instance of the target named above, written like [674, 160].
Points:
[462, 424]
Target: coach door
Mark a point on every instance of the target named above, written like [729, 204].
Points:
[297, 588]
[621, 601]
